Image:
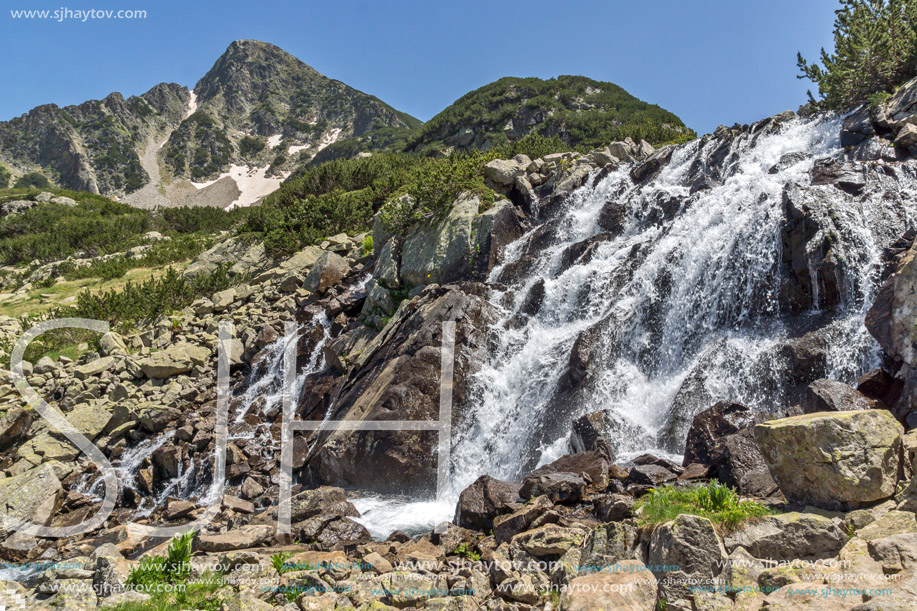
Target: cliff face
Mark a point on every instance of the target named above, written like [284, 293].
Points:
[93, 146]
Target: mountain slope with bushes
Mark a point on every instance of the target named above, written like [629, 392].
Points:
[580, 111]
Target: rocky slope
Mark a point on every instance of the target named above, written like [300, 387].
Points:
[760, 281]
[94, 146]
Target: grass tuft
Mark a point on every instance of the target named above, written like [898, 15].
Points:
[715, 501]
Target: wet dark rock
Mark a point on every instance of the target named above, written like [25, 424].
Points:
[809, 250]
[846, 176]
[397, 378]
[786, 161]
[560, 487]
[880, 385]
[483, 501]
[712, 424]
[591, 433]
[613, 217]
[833, 396]
[806, 357]
[857, 127]
[652, 165]
[582, 357]
[650, 475]
[613, 507]
[737, 461]
[593, 466]
[534, 298]
[328, 530]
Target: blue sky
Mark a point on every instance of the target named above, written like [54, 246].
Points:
[709, 61]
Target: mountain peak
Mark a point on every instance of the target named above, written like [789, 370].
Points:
[251, 67]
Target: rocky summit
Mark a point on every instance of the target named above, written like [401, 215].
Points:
[549, 351]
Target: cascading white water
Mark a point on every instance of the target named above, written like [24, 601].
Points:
[699, 299]
[267, 385]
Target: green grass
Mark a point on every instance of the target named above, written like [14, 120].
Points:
[167, 580]
[197, 594]
[466, 551]
[279, 562]
[714, 501]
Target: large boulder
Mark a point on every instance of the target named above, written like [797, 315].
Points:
[593, 432]
[246, 258]
[484, 500]
[892, 317]
[397, 377]
[326, 500]
[328, 270]
[783, 537]
[691, 544]
[631, 588]
[834, 396]
[174, 360]
[833, 458]
[34, 496]
[502, 173]
[93, 367]
[709, 426]
[242, 538]
[568, 478]
[608, 545]
[737, 461]
[442, 251]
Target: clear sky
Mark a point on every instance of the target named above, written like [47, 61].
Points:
[709, 61]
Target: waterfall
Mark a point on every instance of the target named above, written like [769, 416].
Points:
[680, 301]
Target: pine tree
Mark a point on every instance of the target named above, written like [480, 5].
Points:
[875, 50]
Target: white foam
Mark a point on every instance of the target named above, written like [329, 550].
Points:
[383, 515]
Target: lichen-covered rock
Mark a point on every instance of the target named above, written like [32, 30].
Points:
[173, 360]
[241, 538]
[327, 271]
[787, 536]
[503, 172]
[441, 252]
[833, 458]
[34, 496]
[549, 540]
[691, 544]
[632, 588]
